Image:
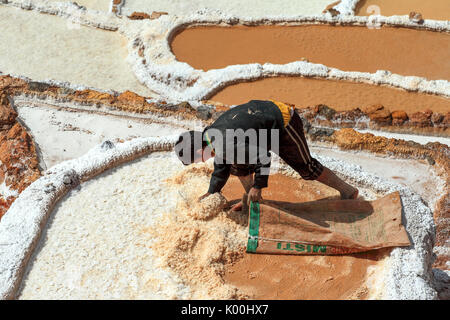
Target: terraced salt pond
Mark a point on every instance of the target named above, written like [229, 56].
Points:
[339, 95]
[96, 247]
[42, 46]
[349, 48]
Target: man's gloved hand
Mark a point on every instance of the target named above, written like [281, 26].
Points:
[254, 195]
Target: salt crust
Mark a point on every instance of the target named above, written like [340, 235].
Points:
[96, 244]
[6, 192]
[346, 7]
[408, 276]
[21, 226]
[254, 8]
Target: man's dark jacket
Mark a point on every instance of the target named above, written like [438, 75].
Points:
[256, 114]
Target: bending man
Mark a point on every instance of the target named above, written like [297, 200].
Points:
[240, 141]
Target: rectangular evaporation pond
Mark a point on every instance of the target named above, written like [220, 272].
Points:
[401, 50]
[43, 46]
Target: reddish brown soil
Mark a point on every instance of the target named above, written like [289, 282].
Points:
[143, 15]
[139, 16]
[350, 48]
[298, 277]
[18, 157]
[339, 95]
[435, 9]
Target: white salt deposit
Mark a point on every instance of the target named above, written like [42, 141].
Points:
[96, 246]
[100, 5]
[346, 7]
[157, 67]
[74, 13]
[63, 134]
[42, 46]
[154, 64]
[249, 8]
[401, 280]
[419, 176]
[6, 192]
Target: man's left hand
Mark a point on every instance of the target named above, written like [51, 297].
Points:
[254, 195]
[204, 196]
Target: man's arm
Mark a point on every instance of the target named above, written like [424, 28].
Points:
[260, 180]
[247, 182]
[262, 171]
[218, 179]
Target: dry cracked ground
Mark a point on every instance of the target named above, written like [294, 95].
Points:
[75, 75]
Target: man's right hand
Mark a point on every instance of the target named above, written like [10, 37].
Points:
[254, 195]
[204, 196]
[237, 206]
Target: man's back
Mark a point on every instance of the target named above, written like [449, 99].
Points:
[255, 114]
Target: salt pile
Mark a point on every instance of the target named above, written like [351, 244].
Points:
[199, 239]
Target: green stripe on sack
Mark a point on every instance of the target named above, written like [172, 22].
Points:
[253, 229]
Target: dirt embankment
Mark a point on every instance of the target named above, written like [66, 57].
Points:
[348, 48]
[436, 9]
[19, 164]
[127, 100]
[381, 115]
[379, 118]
